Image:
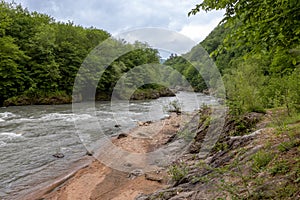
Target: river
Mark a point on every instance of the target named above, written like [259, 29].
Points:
[30, 135]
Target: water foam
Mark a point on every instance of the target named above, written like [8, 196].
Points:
[11, 134]
[6, 115]
[2, 144]
[67, 117]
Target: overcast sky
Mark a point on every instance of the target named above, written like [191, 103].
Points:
[116, 16]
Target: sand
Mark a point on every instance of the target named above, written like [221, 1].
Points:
[97, 181]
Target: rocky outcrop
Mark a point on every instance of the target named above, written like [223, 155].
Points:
[193, 185]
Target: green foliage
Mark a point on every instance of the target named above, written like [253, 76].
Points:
[178, 171]
[186, 135]
[286, 146]
[243, 84]
[185, 71]
[173, 106]
[130, 67]
[256, 47]
[11, 67]
[280, 167]
[264, 23]
[281, 120]
[252, 85]
[34, 97]
[40, 56]
[260, 160]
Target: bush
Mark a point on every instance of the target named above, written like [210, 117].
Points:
[174, 106]
[260, 160]
[178, 171]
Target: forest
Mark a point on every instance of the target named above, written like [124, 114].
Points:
[256, 47]
[41, 57]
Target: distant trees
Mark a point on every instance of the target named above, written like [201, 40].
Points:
[184, 69]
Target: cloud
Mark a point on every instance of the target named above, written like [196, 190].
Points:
[162, 39]
[117, 16]
[198, 32]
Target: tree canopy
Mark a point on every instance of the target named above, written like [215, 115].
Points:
[257, 49]
[40, 58]
[265, 23]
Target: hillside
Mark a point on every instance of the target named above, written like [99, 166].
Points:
[256, 157]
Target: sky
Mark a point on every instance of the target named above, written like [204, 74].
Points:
[117, 16]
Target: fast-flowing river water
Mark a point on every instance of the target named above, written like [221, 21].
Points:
[30, 135]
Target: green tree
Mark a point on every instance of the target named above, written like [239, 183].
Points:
[265, 23]
[40, 58]
[261, 38]
[12, 79]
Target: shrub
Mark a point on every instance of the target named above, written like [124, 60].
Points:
[260, 160]
[178, 171]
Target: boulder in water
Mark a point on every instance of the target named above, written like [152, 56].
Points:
[89, 153]
[58, 155]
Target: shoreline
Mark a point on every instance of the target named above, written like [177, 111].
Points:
[106, 183]
[60, 181]
[59, 99]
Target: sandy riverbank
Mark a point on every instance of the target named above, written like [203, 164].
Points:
[97, 181]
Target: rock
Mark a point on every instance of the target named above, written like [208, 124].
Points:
[89, 153]
[140, 123]
[206, 91]
[122, 135]
[162, 194]
[183, 196]
[58, 155]
[146, 123]
[176, 125]
[249, 136]
[154, 177]
[135, 173]
[242, 125]
[128, 165]
[165, 117]
[170, 139]
[237, 135]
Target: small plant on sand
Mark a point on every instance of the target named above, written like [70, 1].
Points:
[173, 106]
